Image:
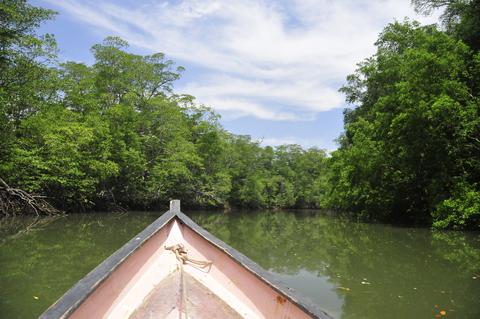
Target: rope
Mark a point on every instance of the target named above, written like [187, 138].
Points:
[182, 256]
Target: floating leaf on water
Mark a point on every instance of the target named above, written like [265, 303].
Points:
[365, 283]
[35, 297]
[343, 288]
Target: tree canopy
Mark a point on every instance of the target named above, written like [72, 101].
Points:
[116, 134]
[410, 150]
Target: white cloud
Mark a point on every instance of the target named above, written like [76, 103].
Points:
[278, 60]
[309, 142]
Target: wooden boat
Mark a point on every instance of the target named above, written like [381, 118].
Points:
[176, 269]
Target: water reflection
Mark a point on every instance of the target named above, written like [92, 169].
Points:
[372, 271]
[37, 267]
[352, 270]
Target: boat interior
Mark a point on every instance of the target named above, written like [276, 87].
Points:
[178, 273]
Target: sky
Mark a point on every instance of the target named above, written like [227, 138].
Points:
[271, 69]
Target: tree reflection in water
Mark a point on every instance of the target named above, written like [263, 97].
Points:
[374, 270]
[352, 270]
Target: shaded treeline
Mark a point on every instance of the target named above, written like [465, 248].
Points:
[115, 134]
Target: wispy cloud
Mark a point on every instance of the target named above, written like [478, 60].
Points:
[277, 60]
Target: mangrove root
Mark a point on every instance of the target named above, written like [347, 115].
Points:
[14, 201]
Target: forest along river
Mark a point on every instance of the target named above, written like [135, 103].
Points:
[352, 270]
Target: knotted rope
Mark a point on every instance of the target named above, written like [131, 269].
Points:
[182, 256]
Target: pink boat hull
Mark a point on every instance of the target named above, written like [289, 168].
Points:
[152, 282]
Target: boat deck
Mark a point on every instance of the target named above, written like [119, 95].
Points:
[172, 296]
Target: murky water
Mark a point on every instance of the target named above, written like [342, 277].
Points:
[352, 270]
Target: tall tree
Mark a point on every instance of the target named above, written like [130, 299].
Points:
[26, 83]
[412, 136]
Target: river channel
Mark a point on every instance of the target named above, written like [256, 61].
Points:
[351, 269]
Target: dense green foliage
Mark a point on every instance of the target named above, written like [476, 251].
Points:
[115, 134]
[411, 148]
[461, 18]
[23, 56]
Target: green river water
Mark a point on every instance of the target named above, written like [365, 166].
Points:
[352, 270]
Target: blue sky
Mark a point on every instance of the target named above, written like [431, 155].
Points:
[272, 69]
